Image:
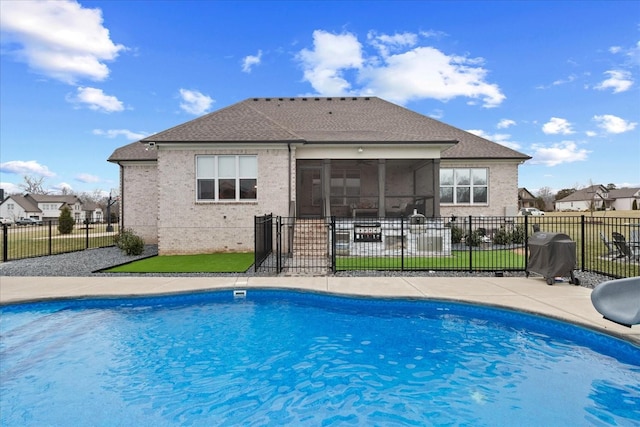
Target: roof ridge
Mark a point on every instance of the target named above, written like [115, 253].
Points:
[279, 125]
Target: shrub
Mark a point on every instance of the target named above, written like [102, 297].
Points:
[517, 235]
[129, 242]
[475, 239]
[456, 234]
[65, 221]
[502, 237]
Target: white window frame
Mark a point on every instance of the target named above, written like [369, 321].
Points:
[215, 177]
[471, 186]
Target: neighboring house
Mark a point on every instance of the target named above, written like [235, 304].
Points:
[623, 198]
[197, 186]
[598, 197]
[47, 207]
[526, 199]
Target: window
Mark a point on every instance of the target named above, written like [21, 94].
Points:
[464, 186]
[226, 178]
[345, 187]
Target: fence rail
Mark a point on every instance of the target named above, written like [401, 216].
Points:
[30, 241]
[609, 245]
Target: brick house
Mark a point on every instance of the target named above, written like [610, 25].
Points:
[196, 187]
[47, 207]
[599, 197]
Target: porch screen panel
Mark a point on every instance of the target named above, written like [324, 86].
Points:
[345, 187]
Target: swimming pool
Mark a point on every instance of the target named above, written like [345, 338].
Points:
[292, 358]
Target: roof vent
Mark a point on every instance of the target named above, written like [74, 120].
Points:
[342, 99]
[304, 99]
[329, 99]
[292, 99]
[267, 99]
[317, 99]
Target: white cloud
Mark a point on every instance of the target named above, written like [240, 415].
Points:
[397, 70]
[556, 154]
[557, 126]
[615, 49]
[613, 124]
[332, 54]
[114, 133]
[10, 188]
[87, 178]
[95, 99]
[250, 60]
[194, 102]
[619, 81]
[591, 133]
[425, 72]
[59, 39]
[385, 43]
[63, 187]
[29, 167]
[505, 123]
[500, 138]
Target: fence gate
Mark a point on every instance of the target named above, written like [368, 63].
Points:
[295, 246]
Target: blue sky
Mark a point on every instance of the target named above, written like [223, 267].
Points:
[559, 81]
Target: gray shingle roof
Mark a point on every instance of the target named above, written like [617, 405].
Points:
[314, 120]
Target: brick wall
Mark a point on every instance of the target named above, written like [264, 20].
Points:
[186, 226]
[139, 209]
[503, 189]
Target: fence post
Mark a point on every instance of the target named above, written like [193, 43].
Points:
[333, 243]
[50, 239]
[469, 240]
[87, 234]
[582, 243]
[526, 242]
[255, 243]
[402, 243]
[5, 242]
[278, 244]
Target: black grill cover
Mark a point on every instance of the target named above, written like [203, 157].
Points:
[551, 254]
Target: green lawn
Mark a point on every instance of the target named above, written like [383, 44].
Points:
[459, 260]
[202, 263]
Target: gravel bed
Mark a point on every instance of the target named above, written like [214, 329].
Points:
[90, 261]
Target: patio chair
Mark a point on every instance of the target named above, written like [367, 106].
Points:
[624, 247]
[612, 250]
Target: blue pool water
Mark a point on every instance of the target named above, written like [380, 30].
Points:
[288, 358]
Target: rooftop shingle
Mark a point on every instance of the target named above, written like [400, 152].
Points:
[327, 120]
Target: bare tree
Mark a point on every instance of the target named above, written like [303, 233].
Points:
[546, 197]
[33, 185]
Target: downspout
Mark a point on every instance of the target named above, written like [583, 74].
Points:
[121, 203]
[291, 208]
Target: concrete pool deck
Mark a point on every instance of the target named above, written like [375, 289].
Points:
[562, 301]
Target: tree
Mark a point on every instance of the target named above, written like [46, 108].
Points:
[65, 221]
[611, 186]
[564, 193]
[545, 198]
[33, 185]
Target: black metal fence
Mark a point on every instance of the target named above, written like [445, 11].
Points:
[605, 245]
[263, 239]
[29, 241]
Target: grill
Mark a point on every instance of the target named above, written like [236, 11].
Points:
[552, 255]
